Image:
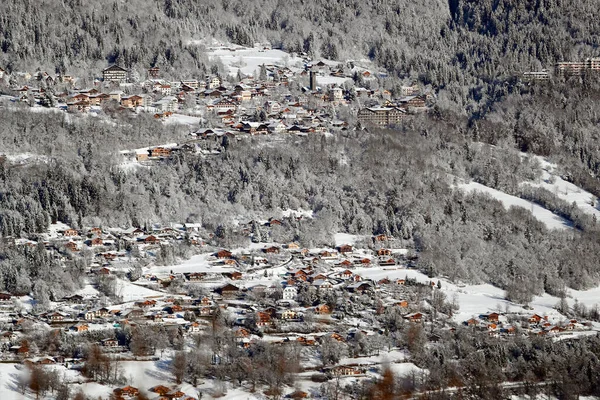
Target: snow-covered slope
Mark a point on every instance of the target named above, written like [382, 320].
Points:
[550, 180]
[544, 215]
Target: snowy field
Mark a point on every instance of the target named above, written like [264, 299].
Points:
[182, 119]
[551, 181]
[544, 215]
[248, 60]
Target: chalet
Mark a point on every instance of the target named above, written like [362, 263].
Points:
[535, 319]
[78, 106]
[306, 340]
[345, 248]
[74, 299]
[224, 105]
[323, 309]
[153, 72]
[96, 231]
[132, 101]
[228, 291]
[194, 327]
[384, 252]
[289, 314]
[346, 274]
[109, 343]
[96, 242]
[5, 297]
[80, 327]
[263, 319]
[387, 262]
[70, 232]
[114, 73]
[56, 316]
[196, 277]
[271, 250]
[150, 239]
[360, 287]
[160, 152]
[223, 254]
[344, 370]
[127, 392]
[146, 303]
[493, 317]
[414, 317]
[241, 332]
[323, 284]
[402, 303]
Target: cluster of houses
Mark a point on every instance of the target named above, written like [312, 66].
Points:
[252, 105]
[497, 324]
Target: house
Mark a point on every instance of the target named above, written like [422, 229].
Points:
[70, 232]
[271, 250]
[263, 318]
[114, 73]
[56, 317]
[223, 254]
[96, 242]
[493, 317]
[345, 248]
[289, 314]
[290, 293]
[384, 252]
[535, 319]
[150, 239]
[71, 246]
[414, 317]
[195, 327]
[323, 284]
[402, 303]
[344, 370]
[109, 343]
[160, 152]
[153, 72]
[80, 327]
[127, 392]
[359, 287]
[132, 101]
[228, 291]
[323, 309]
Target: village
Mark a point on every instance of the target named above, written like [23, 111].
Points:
[345, 310]
[359, 293]
[306, 98]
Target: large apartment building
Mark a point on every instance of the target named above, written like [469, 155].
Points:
[578, 67]
[114, 73]
[380, 115]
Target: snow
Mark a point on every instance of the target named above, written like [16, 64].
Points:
[183, 120]
[405, 369]
[132, 292]
[551, 220]
[551, 181]
[249, 60]
[331, 80]
[297, 213]
[346, 238]
[24, 158]
[474, 300]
